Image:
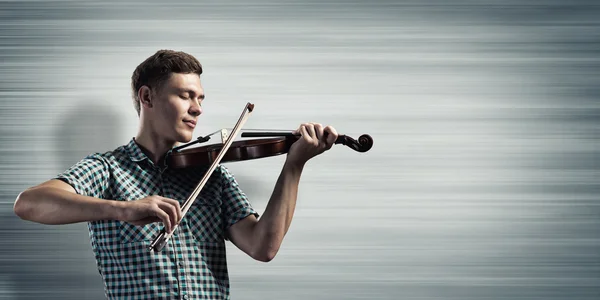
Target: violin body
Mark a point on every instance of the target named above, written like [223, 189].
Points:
[238, 151]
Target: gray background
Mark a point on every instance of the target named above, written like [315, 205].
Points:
[485, 115]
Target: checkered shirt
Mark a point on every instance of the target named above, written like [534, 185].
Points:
[193, 263]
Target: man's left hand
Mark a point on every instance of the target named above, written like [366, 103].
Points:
[315, 140]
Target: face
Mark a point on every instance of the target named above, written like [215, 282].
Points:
[174, 109]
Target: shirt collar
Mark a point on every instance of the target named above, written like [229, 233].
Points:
[135, 153]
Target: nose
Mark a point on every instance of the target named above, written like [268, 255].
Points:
[195, 108]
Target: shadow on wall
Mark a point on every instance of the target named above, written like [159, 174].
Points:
[257, 191]
[86, 130]
[56, 262]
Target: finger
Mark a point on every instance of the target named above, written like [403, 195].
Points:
[332, 135]
[177, 206]
[311, 130]
[298, 130]
[171, 211]
[305, 134]
[319, 132]
[164, 217]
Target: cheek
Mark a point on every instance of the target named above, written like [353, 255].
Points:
[172, 111]
[177, 107]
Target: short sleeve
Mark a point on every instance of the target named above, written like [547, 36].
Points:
[235, 203]
[89, 176]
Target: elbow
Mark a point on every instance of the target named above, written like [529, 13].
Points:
[21, 207]
[267, 249]
[265, 255]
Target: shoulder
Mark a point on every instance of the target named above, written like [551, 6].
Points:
[223, 171]
[107, 159]
[225, 174]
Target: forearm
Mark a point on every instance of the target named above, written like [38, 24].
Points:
[277, 217]
[54, 206]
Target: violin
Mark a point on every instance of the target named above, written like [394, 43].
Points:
[251, 149]
[237, 151]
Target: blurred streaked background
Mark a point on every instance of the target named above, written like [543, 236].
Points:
[482, 183]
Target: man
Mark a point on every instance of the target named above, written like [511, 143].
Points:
[127, 195]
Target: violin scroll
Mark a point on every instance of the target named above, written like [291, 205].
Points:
[364, 143]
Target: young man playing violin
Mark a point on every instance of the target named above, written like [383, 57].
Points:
[127, 195]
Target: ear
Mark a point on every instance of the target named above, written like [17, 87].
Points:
[145, 96]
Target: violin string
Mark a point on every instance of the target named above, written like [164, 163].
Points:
[213, 133]
[250, 129]
[268, 130]
[257, 129]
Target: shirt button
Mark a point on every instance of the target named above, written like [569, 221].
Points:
[185, 297]
[181, 263]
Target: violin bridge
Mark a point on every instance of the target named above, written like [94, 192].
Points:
[224, 135]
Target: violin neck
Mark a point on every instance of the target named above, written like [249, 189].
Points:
[266, 134]
[340, 140]
[364, 143]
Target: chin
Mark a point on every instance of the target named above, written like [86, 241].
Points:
[184, 137]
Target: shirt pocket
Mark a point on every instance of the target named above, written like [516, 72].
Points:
[205, 221]
[130, 233]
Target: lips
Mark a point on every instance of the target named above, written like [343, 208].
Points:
[190, 123]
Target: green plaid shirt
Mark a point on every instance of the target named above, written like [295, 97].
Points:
[193, 264]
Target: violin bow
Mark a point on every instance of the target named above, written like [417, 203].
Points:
[161, 240]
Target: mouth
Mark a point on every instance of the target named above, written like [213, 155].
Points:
[190, 123]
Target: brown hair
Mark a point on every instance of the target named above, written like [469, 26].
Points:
[156, 69]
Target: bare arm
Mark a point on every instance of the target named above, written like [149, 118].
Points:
[262, 238]
[55, 202]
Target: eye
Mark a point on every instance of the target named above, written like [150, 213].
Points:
[184, 97]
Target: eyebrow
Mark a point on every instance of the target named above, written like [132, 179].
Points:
[201, 96]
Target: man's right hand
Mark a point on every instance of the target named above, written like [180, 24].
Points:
[151, 209]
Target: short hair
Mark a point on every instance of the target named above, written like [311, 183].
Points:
[157, 69]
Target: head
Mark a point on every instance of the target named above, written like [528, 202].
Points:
[167, 94]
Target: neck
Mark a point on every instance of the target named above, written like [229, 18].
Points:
[153, 145]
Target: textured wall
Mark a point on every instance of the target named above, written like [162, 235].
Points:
[482, 183]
